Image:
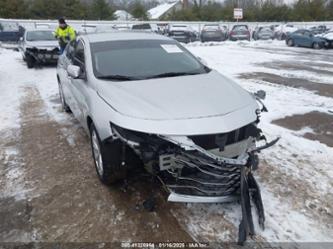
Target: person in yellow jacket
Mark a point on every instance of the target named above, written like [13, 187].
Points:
[65, 34]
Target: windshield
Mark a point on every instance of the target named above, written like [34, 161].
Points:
[179, 27]
[240, 28]
[40, 36]
[211, 27]
[141, 26]
[142, 59]
[265, 29]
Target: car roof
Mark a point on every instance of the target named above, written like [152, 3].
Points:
[123, 35]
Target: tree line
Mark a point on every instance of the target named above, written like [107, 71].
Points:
[70, 9]
[198, 10]
[256, 10]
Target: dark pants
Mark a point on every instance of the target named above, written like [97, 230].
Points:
[62, 46]
[62, 49]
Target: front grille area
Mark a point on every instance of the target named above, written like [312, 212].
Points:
[204, 177]
[213, 141]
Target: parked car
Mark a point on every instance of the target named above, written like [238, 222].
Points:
[157, 103]
[182, 33]
[283, 30]
[213, 32]
[328, 37]
[148, 27]
[240, 32]
[38, 47]
[263, 33]
[319, 29]
[305, 38]
[10, 31]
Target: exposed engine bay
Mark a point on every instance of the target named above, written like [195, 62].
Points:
[210, 168]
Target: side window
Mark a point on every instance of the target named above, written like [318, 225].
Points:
[79, 52]
[70, 50]
[78, 58]
[307, 33]
[299, 32]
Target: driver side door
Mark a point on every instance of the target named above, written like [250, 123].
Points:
[79, 87]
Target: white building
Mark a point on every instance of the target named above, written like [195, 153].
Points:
[123, 15]
[164, 9]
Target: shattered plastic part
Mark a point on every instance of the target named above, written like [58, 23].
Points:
[193, 174]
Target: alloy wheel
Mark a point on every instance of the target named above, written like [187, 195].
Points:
[97, 153]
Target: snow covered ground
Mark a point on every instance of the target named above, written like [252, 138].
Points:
[296, 176]
[294, 158]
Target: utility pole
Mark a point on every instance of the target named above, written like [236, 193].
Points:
[237, 7]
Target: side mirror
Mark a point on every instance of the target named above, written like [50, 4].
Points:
[260, 94]
[73, 71]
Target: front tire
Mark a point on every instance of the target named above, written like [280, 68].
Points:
[290, 43]
[316, 45]
[107, 158]
[30, 61]
[64, 105]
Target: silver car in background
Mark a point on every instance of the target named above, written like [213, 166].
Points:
[263, 33]
[213, 32]
[143, 96]
[39, 46]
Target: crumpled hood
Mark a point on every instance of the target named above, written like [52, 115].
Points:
[43, 44]
[175, 98]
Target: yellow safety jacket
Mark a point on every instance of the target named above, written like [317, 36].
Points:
[65, 35]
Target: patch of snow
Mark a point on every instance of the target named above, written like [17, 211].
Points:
[283, 221]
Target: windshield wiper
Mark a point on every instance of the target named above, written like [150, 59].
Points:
[117, 77]
[170, 74]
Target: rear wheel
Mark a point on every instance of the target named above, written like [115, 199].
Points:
[290, 43]
[107, 158]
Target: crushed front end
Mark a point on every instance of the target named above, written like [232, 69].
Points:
[210, 168]
[43, 55]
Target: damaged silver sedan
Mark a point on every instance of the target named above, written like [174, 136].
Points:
[143, 96]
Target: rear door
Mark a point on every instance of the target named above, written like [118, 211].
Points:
[307, 39]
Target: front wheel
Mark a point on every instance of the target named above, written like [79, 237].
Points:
[290, 43]
[107, 158]
[316, 45]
